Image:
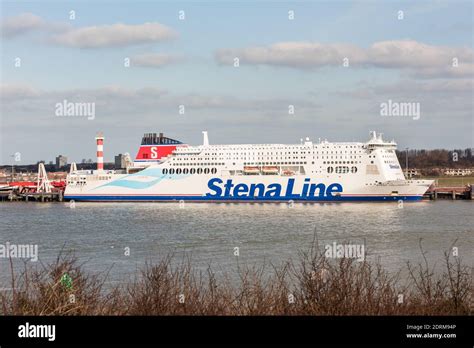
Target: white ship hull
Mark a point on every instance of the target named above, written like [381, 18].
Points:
[265, 188]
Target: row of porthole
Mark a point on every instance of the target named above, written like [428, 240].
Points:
[342, 170]
[339, 162]
[172, 171]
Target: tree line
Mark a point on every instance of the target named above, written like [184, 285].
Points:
[438, 158]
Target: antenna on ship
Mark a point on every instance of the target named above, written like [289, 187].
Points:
[205, 141]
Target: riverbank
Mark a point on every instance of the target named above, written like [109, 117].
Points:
[315, 285]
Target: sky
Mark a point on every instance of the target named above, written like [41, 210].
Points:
[318, 69]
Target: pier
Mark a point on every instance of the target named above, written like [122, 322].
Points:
[15, 196]
[451, 192]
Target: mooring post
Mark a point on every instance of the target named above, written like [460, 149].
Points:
[454, 194]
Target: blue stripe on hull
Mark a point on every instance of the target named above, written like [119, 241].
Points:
[238, 199]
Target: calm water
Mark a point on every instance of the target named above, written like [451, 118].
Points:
[99, 232]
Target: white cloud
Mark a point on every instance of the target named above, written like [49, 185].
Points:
[154, 60]
[117, 100]
[231, 104]
[437, 89]
[114, 35]
[292, 54]
[440, 99]
[17, 91]
[21, 24]
[27, 23]
[420, 59]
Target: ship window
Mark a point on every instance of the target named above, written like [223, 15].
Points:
[213, 170]
[206, 171]
[199, 171]
[185, 171]
[193, 170]
[354, 169]
[178, 171]
[330, 169]
[171, 171]
[165, 171]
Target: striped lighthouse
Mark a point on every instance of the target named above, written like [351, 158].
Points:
[100, 151]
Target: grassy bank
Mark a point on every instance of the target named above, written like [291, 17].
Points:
[314, 285]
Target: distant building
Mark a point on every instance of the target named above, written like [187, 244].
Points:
[412, 172]
[120, 161]
[458, 171]
[61, 161]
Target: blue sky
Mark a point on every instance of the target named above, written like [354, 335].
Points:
[282, 62]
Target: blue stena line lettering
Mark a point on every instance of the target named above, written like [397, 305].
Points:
[219, 189]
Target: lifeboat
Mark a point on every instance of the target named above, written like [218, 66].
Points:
[270, 170]
[251, 170]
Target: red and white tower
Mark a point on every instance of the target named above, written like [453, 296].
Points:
[100, 151]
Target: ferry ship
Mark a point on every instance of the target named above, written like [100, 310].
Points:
[166, 169]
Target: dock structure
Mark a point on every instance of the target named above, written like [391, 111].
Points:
[41, 190]
[15, 196]
[451, 192]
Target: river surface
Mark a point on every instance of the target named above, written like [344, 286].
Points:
[101, 234]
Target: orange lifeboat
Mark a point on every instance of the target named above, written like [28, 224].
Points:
[270, 170]
[288, 173]
[251, 170]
